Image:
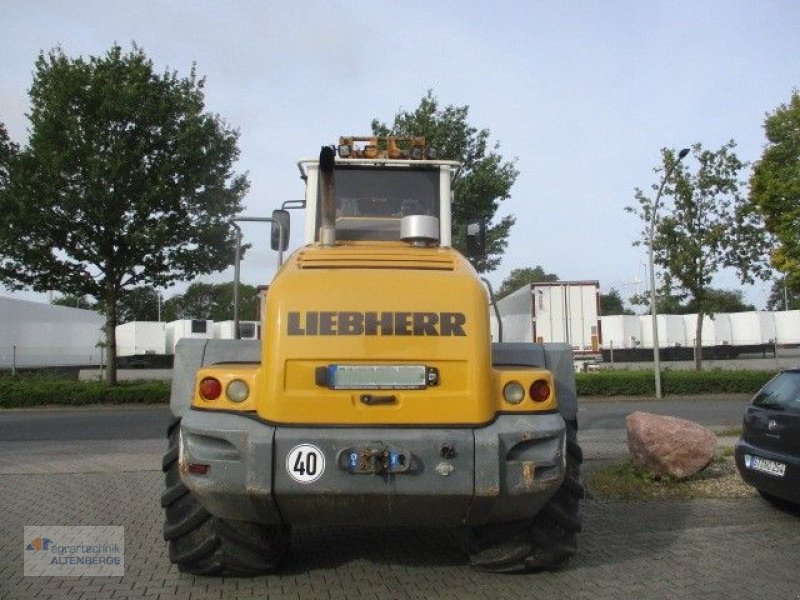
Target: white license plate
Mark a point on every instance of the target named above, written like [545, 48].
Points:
[377, 377]
[771, 467]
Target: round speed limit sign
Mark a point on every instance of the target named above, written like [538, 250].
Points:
[305, 463]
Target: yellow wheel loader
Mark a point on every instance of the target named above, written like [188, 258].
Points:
[375, 396]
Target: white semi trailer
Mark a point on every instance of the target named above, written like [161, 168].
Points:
[248, 330]
[35, 335]
[553, 312]
[724, 335]
[142, 344]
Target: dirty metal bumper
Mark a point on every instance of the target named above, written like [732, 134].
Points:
[453, 476]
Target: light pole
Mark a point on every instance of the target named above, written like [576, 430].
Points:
[653, 311]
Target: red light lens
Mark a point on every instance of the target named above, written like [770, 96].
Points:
[540, 390]
[198, 469]
[210, 388]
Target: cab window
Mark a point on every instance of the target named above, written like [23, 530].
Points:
[371, 202]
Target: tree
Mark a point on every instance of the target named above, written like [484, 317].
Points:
[8, 151]
[775, 187]
[213, 301]
[484, 180]
[717, 301]
[667, 301]
[75, 302]
[708, 226]
[612, 304]
[519, 277]
[781, 298]
[125, 181]
[721, 301]
[139, 304]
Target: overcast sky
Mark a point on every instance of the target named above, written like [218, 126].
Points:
[583, 94]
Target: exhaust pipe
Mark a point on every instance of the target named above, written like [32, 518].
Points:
[327, 230]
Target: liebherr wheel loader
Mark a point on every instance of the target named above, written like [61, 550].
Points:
[375, 396]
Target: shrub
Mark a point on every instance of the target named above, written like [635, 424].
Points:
[26, 391]
[642, 383]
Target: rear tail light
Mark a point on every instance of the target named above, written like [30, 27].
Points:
[197, 469]
[540, 390]
[210, 388]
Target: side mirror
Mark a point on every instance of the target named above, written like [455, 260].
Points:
[476, 240]
[280, 230]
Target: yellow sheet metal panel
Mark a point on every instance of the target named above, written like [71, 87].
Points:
[361, 308]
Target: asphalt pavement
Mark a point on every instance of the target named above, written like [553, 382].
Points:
[137, 422]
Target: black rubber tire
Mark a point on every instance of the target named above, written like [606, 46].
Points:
[202, 544]
[543, 543]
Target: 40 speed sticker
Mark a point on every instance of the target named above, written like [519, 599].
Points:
[305, 463]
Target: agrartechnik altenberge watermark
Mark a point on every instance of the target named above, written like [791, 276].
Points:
[57, 550]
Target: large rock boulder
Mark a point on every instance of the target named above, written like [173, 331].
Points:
[669, 445]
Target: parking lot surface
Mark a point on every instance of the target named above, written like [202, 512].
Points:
[102, 467]
[688, 549]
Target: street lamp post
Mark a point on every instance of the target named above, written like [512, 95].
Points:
[653, 311]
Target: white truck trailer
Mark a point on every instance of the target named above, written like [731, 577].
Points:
[248, 330]
[553, 312]
[34, 335]
[202, 329]
[724, 335]
[142, 344]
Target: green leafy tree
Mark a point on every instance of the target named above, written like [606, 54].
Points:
[138, 304]
[667, 301]
[775, 187]
[483, 182]
[83, 302]
[125, 181]
[213, 301]
[519, 277]
[612, 304]
[8, 151]
[721, 301]
[782, 298]
[707, 225]
[717, 301]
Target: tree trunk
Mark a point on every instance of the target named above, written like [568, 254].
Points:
[111, 335]
[698, 343]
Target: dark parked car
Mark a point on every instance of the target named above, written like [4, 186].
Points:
[768, 453]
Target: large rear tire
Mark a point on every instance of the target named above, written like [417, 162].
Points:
[545, 542]
[202, 544]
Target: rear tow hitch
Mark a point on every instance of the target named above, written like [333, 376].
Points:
[376, 458]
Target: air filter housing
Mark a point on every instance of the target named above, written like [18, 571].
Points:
[420, 230]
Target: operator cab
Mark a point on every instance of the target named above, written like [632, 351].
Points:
[384, 189]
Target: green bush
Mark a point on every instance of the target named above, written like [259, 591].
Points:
[26, 391]
[642, 383]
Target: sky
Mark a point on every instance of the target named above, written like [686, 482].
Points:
[583, 94]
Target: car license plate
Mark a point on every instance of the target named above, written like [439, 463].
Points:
[771, 467]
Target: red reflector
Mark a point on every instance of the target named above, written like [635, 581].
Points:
[540, 390]
[210, 388]
[197, 469]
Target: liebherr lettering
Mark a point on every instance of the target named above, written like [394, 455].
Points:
[376, 323]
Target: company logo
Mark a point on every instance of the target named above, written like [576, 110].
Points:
[376, 323]
[74, 550]
[39, 543]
